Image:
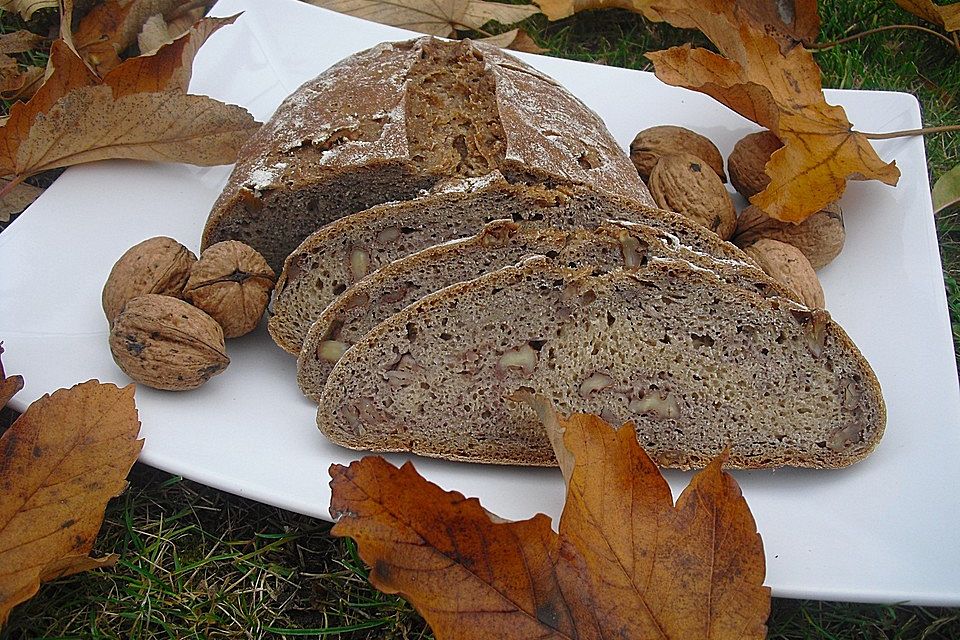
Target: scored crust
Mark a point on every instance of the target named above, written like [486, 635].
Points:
[386, 123]
[697, 364]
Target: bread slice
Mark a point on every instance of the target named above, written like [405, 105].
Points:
[502, 243]
[695, 363]
[388, 122]
[341, 253]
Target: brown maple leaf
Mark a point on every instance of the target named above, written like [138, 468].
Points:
[779, 90]
[434, 17]
[138, 110]
[625, 563]
[9, 386]
[60, 463]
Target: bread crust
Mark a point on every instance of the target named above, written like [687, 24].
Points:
[301, 170]
[509, 434]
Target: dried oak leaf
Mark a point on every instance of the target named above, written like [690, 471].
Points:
[434, 17]
[60, 463]
[626, 562]
[946, 16]
[137, 111]
[780, 91]
[9, 386]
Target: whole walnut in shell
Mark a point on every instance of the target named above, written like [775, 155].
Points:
[158, 265]
[685, 184]
[787, 265]
[232, 283]
[820, 237]
[748, 159]
[165, 343]
[651, 144]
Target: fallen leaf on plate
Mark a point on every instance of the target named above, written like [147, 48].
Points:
[60, 463]
[138, 111]
[946, 16]
[26, 8]
[9, 386]
[626, 562]
[946, 192]
[17, 198]
[112, 26]
[780, 91]
[515, 40]
[434, 17]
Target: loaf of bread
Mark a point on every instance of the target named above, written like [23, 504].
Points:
[391, 121]
[697, 364]
[342, 252]
[502, 243]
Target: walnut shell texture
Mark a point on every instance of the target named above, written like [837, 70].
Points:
[687, 185]
[748, 159]
[157, 265]
[786, 264]
[164, 343]
[650, 144]
[232, 283]
[820, 237]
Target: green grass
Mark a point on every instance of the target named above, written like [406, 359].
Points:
[198, 563]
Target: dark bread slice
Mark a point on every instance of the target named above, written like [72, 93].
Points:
[696, 363]
[502, 243]
[341, 253]
[388, 122]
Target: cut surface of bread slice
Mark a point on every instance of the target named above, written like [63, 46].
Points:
[388, 122]
[392, 287]
[695, 363]
[341, 253]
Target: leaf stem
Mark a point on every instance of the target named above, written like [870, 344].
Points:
[821, 46]
[909, 132]
[10, 186]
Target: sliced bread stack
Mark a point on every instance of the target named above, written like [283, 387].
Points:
[455, 227]
[389, 289]
[341, 253]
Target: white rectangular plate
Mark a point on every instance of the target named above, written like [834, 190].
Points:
[884, 530]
